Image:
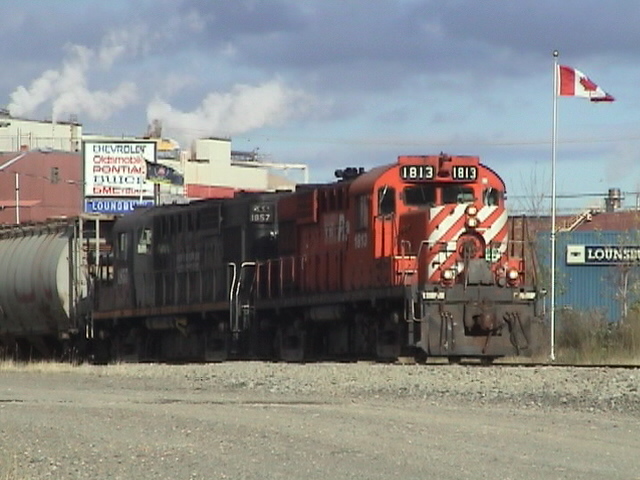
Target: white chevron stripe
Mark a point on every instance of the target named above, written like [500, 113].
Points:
[442, 233]
[446, 223]
[439, 258]
[485, 212]
[495, 228]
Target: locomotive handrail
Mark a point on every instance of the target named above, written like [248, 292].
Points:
[232, 267]
[403, 251]
[258, 271]
[260, 279]
[245, 267]
[281, 276]
[282, 265]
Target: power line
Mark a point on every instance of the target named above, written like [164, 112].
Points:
[409, 141]
[570, 195]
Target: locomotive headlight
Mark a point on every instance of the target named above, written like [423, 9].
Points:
[472, 222]
[513, 275]
[448, 275]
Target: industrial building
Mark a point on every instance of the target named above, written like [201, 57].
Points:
[19, 134]
[43, 171]
[214, 170]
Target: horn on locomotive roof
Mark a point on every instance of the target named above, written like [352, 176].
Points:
[349, 173]
[443, 165]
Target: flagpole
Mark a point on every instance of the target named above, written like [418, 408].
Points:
[554, 134]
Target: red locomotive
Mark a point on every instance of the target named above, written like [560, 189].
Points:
[408, 259]
[411, 257]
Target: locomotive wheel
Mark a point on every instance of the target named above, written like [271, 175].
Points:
[216, 347]
[101, 351]
[487, 360]
[420, 356]
[290, 344]
[388, 339]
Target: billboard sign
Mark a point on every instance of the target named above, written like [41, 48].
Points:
[117, 169]
[602, 254]
[116, 206]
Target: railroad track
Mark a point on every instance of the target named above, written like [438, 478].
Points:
[508, 363]
[620, 366]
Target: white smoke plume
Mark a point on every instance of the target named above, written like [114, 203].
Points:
[242, 109]
[66, 89]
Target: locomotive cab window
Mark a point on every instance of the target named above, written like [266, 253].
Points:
[492, 197]
[144, 242]
[420, 195]
[386, 200]
[123, 240]
[457, 194]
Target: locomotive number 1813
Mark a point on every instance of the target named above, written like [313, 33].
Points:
[416, 172]
[464, 172]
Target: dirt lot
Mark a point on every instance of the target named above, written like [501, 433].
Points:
[275, 421]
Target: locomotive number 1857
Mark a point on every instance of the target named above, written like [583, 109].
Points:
[261, 213]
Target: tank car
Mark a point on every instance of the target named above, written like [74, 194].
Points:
[44, 289]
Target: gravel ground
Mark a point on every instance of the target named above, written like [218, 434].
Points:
[270, 420]
[583, 389]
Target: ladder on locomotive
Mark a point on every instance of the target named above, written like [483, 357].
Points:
[522, 245]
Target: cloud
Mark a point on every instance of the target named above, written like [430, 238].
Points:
[242, 109]
[117, 43]
[25, 101]
[66, 89]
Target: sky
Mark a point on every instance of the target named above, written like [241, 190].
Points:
[338, 83]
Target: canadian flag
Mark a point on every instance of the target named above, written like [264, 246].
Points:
[574, 83]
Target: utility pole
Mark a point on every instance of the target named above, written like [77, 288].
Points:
[17, 198]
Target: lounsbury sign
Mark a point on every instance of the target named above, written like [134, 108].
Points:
[602, 254]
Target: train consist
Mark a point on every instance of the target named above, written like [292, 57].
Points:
[409, 259]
